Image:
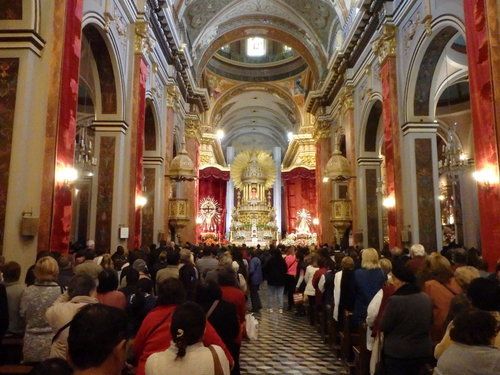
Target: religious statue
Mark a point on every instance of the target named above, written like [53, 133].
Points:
[304, 222]
[209, 218]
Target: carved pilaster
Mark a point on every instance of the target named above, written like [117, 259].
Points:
[192, 126]
[144, 40]
[385, 45]
[321, 128]
[173, 96]
[347, 99]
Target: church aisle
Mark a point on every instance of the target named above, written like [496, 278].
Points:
[287, 345]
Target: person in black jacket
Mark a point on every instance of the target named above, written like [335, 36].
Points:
[275, 273]
[4, 312]
[406, 324]
[222, 316]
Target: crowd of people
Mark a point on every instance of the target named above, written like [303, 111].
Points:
[184, 308]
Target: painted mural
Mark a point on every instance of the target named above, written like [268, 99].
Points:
[9, 69]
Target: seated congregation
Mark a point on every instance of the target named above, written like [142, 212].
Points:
[183, 310]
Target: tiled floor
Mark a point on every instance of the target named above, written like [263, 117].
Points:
[287, 345]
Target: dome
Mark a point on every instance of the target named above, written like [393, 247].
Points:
[338, 167]
[182, 167]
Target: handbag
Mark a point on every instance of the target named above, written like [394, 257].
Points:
[298, 298]
[252, 326]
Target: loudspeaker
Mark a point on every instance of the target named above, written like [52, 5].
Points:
[29, 226]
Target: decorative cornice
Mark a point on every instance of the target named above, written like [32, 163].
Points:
[173, 96]
[385, 45]
[22, 39]
[112, 126]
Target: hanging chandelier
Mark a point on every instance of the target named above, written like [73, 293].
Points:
[84, 147]
[453, 160]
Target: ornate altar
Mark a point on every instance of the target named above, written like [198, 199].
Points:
[209, 220]
[254, 218]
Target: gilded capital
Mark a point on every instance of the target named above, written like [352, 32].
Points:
[192, 126]
[347, 98]
[144, 40]
[385, 45]
[173, 95]
[321, 129]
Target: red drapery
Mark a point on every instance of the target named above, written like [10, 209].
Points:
[300, 193]
[213, 183]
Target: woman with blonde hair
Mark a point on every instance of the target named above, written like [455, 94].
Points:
[367, 282]
[36, 299]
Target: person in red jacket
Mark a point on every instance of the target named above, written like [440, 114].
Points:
[234, 295]
[154, 334]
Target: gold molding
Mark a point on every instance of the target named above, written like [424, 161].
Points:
[144, 40]
[347, 98]
[322, 129]
[173, 96]
[385, 45]
[192, 126]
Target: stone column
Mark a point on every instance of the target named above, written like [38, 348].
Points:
[370, 202]
[385, 48]
[482, 34]
[350, 135]
[190, 188]
[153, 192]
[277, 187]
[229, 192]
[422, 189]
[56, 208]
[106, 213]
[323, 190]
[140, 72]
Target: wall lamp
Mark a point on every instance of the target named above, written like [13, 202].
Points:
[66, 176]
[141, 201]
[389, 202]
[486, 177]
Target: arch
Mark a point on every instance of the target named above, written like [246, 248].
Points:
[423, 64]
[314, 55]
[107, 44]
[371, 128]
[150, 136]
[265, 87]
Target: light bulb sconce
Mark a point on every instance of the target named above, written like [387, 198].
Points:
[389, 202]
[66, 176]
[486, 177]
[141, 201]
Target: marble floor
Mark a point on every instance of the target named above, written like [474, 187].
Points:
[287, 345]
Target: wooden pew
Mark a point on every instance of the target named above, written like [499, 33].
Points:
[11, 350]
[361, 353]
[15, 369]
[348, 339]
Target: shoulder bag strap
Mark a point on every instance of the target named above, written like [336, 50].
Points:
[217, 365]
[60, 330]
[212, 308]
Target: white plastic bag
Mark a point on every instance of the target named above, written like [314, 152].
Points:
[252, 327]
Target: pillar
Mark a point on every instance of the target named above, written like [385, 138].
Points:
[323, 190]
[277, 187]
[350, 133]
[370, 202]
[172, 103]
[385, 48]
[106, 212]
[153, 167]
[136, 132]
[190, 188]
[56, 199]
[422, 189]
[482, 35]
[229, 191]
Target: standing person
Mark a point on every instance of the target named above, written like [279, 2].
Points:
[154, 334]
[207, 262]
[81, 292]
[89, 267]
[343, 290]
[309, 290]
[35, 301]
[291, 273]
[14, 289]
[256, 278]
[368, 280]
[107, 292]
[188, 274]
[188, 355]
[275, 274]
[406, 324]
[97, 340]
[441, 287]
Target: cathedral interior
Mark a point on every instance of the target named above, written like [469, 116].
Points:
[367, 123]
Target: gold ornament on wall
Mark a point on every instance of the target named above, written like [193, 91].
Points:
[248, 165]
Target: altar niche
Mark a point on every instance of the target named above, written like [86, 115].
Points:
[253, 220]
